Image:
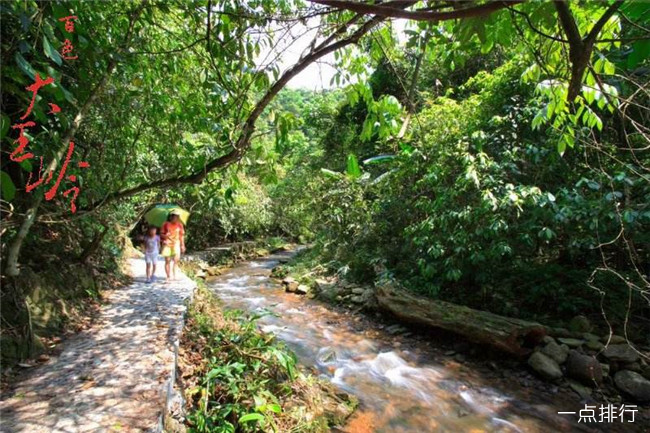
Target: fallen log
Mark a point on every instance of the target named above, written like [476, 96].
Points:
[515, 336]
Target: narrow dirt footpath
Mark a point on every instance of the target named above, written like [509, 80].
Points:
[112, 377]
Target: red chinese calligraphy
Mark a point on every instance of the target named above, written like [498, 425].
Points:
[30, 186]
[34, 88]
[69, 23]
[49, 195]
[18, 154]
[54, 108]
[21, 153]
[67, 48]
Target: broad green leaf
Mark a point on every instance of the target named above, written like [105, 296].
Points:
[51, 52]
[378, 159]
[330, 173]
[8, 188]
[25, 66]
[27, 166]
[251, 417]
[352, 168]
[5, 123]
[640, 52]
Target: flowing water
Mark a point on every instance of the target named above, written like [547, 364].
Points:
[399, 390]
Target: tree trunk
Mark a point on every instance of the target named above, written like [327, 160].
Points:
[94, 245]
[514, 336]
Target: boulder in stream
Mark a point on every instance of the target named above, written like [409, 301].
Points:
[621, 352]
[556, 351]
[571, 342]
[290, 284]
[544, 366]
[213, 271]
[302, 289]
[584, 368]
[633, 384]
[613, 339]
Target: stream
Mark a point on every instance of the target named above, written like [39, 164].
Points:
[400, 389]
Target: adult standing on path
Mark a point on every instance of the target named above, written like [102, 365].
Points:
[173, 237]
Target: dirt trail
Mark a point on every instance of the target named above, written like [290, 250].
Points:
[112, 377]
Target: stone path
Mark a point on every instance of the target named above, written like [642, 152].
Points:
[113, 377]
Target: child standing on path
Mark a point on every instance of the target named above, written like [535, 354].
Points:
[151, 250]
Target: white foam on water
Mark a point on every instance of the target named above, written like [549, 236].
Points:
[231, 288]
[257, 300]
[501, 421]
[294, 311]
[326, 356]
[481, 409]
[272, 329]
[389, 366]
[471, 402]
[238, 280]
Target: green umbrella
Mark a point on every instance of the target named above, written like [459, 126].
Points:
[158, 214]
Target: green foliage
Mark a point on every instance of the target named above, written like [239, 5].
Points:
[476, 206]
[497, 172]
[249, 382]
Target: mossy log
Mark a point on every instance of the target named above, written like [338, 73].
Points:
[515, 336]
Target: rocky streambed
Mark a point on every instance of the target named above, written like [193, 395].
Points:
[607, 369]
[407, 378]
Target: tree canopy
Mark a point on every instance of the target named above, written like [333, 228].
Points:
[461, 136]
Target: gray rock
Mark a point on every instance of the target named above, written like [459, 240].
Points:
[560, 332]
[645, 371]
[395, 329]
[594, 345]
[326, 355]
[584, 368]
[556, 352]
[605, 369]
[302, 289]
[580, 324]
[590, 337]
[633, 366]
[615, 339]
[571, 342]
[213, 270]
[621, 352]
[290, 284]
[323, 285]
[544, 366]
[211, 278]
[633, 384]
[358, 291]
[548, 339]
[581, 390]
[357, 299]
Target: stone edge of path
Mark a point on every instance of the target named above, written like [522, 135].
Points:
[174, 400]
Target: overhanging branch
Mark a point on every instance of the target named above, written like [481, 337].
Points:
[390, 11]
[243, 141]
